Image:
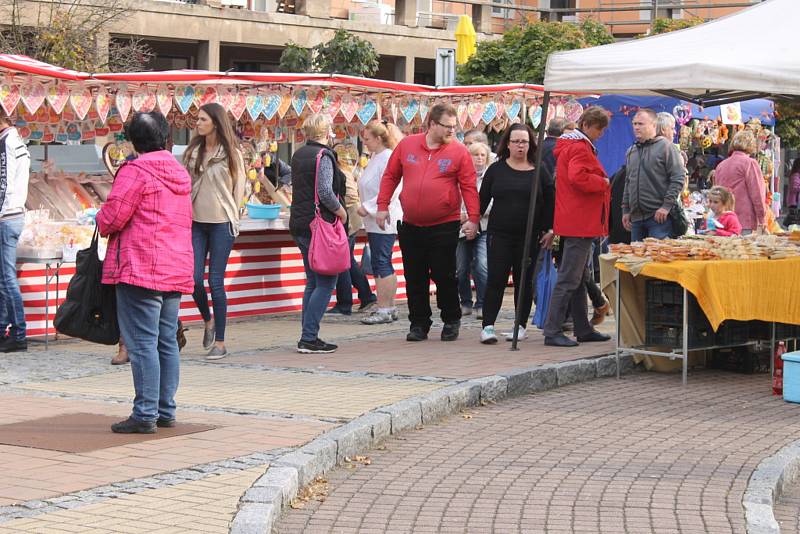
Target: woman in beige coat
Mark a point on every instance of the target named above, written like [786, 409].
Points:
[218, 180]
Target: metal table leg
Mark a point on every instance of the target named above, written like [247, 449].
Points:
[617, 315]
[46, 305]
[685, 336]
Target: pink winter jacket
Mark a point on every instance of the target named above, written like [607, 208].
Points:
[148, 218]
[741, 174]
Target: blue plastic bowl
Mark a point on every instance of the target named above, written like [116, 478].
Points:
[263, 211]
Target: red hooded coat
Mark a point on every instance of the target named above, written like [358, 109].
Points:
[582, 189]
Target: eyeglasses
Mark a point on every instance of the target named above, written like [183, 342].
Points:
[519, 142]
[451, 127]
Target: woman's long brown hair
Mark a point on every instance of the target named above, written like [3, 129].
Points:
[225, 134]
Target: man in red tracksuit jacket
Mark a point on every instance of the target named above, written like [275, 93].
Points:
[437, 172]
[582, 195]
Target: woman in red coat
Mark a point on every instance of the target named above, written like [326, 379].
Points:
[581, 214]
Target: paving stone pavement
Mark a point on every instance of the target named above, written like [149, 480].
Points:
[638, 455]
[787, 509]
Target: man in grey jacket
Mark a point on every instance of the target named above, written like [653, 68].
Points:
[653, 181]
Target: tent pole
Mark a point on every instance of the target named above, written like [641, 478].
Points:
[526, 247]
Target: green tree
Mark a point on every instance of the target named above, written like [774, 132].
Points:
[346, 54]
[670, 25]
[787, 123]
[295, 58]
[69, 33]
[520, 55]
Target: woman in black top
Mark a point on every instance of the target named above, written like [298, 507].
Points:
[509, 183]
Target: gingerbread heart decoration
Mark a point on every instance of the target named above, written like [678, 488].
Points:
[254, 104]
[123, 101]
[462, 114]
[209, 96]
[317, 102]
[32, 94]
[475, 110]
[238, 105]
[286, 103]
[299, 99]
[226, 97]
[367, 110]
[102, 104]
[409, 109]
[489, 112]
[424, 108]
[349, 107]
[143, 100]
[272, 102]
[332, 105]
[81, 100]
[164, 99]
[57, 96]
[184, 97]
[9, 96]
[513, 109]
[501, 109]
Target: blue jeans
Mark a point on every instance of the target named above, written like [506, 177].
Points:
[148, 322]
[354, 278]
[471, 259]
[317, 294]
[650, 228]
[11, 309]
[214, 240]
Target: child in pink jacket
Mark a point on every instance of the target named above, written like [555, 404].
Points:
[723, 221]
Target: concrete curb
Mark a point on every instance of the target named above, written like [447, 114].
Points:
[264, 502]
[766, 485]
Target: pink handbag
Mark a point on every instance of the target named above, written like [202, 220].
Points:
[329, 251]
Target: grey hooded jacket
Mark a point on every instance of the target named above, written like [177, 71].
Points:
[654, 178]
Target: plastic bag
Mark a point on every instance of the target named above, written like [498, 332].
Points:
[545, 282]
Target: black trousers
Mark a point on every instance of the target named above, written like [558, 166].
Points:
[429, 253]
[504, 256]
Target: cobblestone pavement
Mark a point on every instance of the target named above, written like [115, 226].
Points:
[263, 401]
[639, 455]
[787, 509]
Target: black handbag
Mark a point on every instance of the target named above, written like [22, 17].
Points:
[89, 311]
[680, 224]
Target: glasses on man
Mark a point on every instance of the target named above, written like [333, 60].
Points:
[519, 142]
[451, 127]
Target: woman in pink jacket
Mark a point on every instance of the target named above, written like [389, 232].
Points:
[148, 218]
[741, 175]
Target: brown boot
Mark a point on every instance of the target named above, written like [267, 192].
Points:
[599, 314]
[122, 356]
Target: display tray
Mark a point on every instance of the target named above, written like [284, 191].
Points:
[30, 253]
[246, 224]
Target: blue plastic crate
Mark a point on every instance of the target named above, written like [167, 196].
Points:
[791, 376]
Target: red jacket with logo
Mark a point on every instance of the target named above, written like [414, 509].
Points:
[582, 189]
[434, 182]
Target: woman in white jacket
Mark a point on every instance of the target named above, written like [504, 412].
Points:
[379, 139]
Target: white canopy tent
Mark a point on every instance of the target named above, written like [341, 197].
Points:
[750, 54]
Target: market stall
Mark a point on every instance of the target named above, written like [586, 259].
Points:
[68, 117]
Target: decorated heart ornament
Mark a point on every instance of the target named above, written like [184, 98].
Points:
[573, 110]
[81, 101]
[238, 105]
[184, 97]
[73, 132]
[299, 99]
[489, 112]
[255, 104]
[57, 96]
[226, 96]
[349, 107]
[164, 99]
[424, 108]
[32, 94]
[143, 100]
[316, 103]
[9, 96]
[209, 95]
[123, 102]
[332, 104]
[475, 112]
[409, 109]
[102, 104]
[513, 109]
[286, 103]
[272, 103]
[535, 115]
[367, 110]
[462, 114]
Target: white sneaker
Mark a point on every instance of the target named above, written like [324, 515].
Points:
[488, 336]
[378, 317]
[394, 314]
[520, 334]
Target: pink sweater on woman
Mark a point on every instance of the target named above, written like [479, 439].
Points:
[742, 176]
[148, 218]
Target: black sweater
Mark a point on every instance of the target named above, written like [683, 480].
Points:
[511, 192]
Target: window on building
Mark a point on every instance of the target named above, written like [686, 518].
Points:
[563, 15]
[500, 12]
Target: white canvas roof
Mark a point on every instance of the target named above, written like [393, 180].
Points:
[752, 53]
